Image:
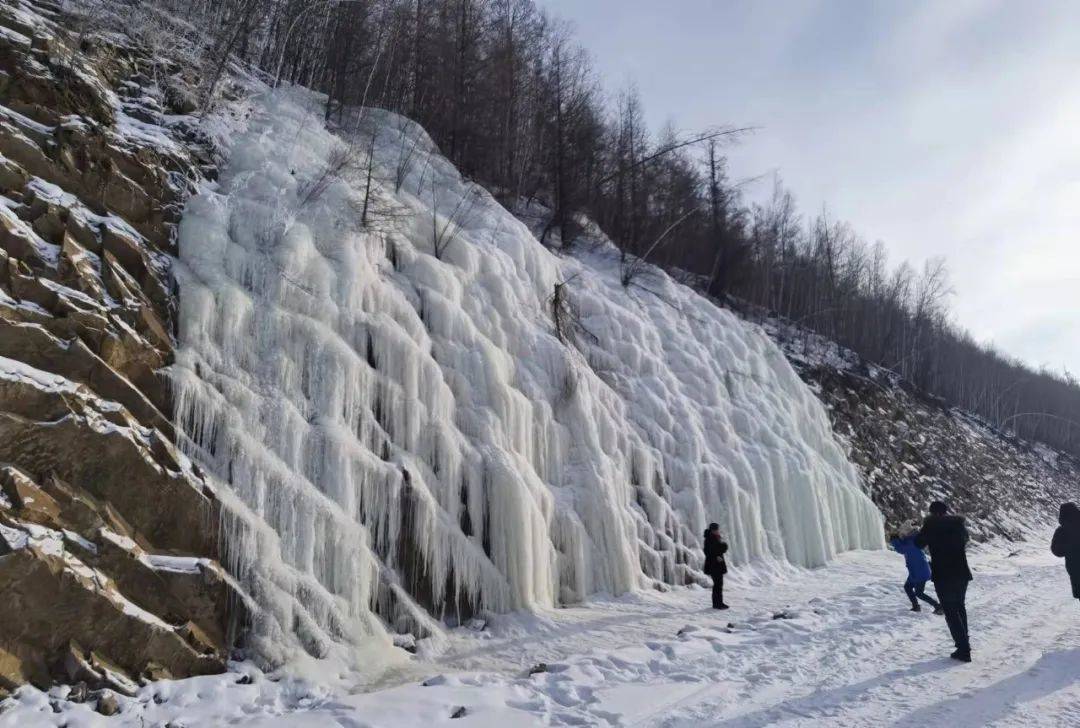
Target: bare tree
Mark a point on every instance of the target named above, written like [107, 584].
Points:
[566, 316]
[409, 139]
[446, 228]
[342, 160]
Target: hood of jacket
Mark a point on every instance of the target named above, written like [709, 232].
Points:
[1069, 515]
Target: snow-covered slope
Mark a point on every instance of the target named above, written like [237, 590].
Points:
[403, 438]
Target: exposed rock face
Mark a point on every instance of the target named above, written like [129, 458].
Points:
[108, 536]
[911, 448]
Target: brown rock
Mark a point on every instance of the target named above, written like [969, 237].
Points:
[84, 233]
[94, 492]
[21, 149]
[12, 176]
[76, 666]
[82, 512]
[50, 225]
[32, 503]
[17, 665]
[154, 672]
[27, 287]
[74, 360]
[151, 326]
[77, 270]
[201, 594]
[17, 239]
[107, 704]
[197, 639]
[79, 693]
[118, 281]
[112, 463]
[112, 677]
[55, 598]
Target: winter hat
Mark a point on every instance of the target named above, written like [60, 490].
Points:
[938, 508]
[1069, 514]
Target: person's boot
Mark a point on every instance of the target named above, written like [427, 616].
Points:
[939, 611]
[916, 608]
[723, 606]
[961, 655]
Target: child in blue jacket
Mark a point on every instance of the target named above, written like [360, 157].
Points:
[918, 571]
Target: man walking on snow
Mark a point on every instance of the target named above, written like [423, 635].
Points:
[946, 536]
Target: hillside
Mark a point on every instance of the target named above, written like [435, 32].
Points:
[394, 401]
[287, 395]
[910, 448]
[405, 420]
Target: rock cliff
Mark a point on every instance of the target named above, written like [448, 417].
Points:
[108, 536]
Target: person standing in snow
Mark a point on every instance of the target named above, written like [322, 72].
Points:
[946, 536]
[1066, 543]
[917, 568]
[715, 564]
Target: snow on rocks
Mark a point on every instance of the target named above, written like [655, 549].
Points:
[87, 201]
[68, 594]
[912, 449]
[402, 436]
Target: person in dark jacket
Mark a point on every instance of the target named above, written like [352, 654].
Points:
[1066, 543]
[918, 571]
[715, 564]
[946, 536]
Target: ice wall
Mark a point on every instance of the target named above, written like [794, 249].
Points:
[403, 438]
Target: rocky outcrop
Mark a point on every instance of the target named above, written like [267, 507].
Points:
[911, 448]
[108, 536]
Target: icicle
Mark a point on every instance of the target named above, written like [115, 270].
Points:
[401, 440]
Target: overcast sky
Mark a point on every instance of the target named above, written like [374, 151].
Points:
[942, 128]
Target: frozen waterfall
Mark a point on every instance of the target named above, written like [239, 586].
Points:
[403, 439]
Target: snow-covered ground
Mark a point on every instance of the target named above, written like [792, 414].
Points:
[829, 646]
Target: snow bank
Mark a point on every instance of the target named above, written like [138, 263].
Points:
[402, 438]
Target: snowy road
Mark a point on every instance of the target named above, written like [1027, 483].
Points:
[844, 651]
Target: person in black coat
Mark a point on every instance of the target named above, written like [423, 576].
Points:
[715, 564]
[1066, 543]
[946, 536]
